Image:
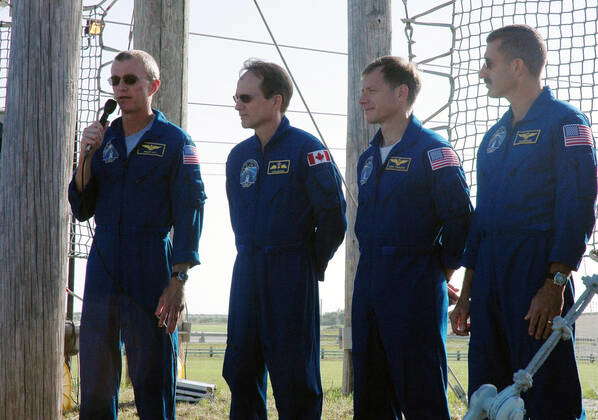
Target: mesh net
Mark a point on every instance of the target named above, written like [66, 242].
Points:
[570, 30]
[88, 99]
[88, 102]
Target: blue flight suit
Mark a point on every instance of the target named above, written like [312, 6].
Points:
[535, 205]
[288, 214]
[136, 201]
[412, 222]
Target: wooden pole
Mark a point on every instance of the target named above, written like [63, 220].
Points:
[369, 38]
[35, 169]
[162, 29]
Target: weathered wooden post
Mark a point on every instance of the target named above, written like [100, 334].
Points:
[369, 38]
[35, 168]
[162, 29]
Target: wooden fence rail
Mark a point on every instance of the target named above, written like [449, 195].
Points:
[458, 356]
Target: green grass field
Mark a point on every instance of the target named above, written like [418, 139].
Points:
[336, 405]
[219, 327]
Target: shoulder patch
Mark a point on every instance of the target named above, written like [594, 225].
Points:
[190, 156]
[249, 172]
[318, 156]
[577, 135]
[366, 171]
[443, 156]
[396, 163]
[496, 140]
[109, 153]
[526, 137]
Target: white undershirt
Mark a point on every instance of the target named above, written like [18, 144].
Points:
[384, 151]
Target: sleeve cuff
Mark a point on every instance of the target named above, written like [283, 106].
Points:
[75, 196]
[571, 259]
[189, 257]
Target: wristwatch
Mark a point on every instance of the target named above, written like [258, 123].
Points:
[558, 278]
[181, 276]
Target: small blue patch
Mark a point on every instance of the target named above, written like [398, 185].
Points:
[110, 154]
[249, 172]
[366, 171]
[497, 140]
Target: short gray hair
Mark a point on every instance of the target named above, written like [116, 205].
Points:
[147, 61]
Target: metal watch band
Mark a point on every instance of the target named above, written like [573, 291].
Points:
[558, 278]
[181, 275]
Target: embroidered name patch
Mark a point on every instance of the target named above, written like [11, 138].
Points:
[317, 157]
[151, 149]
[577, 135]
[190, 156]
[396, 163]
[443, 156]
[278, 167]
[526, 137]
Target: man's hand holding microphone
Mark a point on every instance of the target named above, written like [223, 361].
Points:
[91, 140]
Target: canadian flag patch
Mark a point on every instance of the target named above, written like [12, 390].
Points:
[317, 157]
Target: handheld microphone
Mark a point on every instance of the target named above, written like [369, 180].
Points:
[109, 108]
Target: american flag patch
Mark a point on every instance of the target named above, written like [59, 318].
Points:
[190, 156]
[577, 135]
[443, 156]
[317, 157]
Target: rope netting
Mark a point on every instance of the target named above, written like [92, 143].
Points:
[569, 28]
[88, 102]
[88, 98]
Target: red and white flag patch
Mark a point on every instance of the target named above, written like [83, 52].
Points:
[190, 155]
[318, 156]
[443, 156]
[577, 135]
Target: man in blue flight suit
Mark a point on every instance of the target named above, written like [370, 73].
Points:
[139, 178]
[288, 214]
[412, 222]
[536, 174]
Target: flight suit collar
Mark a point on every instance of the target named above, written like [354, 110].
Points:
[536, 111]
[279, 133]
[117, 124]
[410, 136]
[117, 136]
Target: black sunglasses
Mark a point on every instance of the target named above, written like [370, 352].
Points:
[243, 98]
[129, 79]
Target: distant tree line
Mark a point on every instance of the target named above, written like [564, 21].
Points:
[333, 318]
